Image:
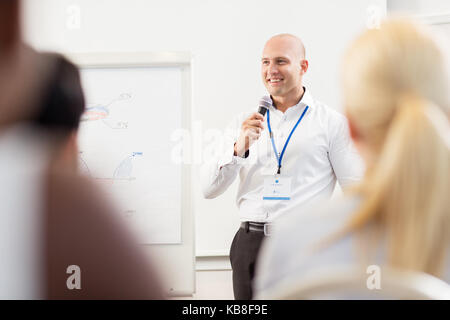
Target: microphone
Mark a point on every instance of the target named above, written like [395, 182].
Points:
[264, 103]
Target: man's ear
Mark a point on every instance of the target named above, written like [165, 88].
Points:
[304, 66]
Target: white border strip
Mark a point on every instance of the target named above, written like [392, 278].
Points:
[435, 18]
[130, 59]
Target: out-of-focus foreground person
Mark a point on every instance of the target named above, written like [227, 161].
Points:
[396, 94]
[19, 70]
[51, 219]
[80, 227]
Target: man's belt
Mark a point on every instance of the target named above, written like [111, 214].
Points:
[257, 227]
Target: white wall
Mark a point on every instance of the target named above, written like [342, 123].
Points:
[226, 39]
[212, 285]
[418, 7]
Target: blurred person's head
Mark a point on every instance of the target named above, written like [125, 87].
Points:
[21, 70]
[283, 65]
[59, 110]
[396, 96]
[10, 26]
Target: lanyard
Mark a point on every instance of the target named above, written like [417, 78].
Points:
[280, 158]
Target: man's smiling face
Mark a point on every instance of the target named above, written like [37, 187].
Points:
[281, 65]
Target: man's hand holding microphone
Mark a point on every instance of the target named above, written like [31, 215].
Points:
[251, 128]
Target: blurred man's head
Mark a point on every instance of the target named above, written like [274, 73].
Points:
[60, 108]
[283, 65]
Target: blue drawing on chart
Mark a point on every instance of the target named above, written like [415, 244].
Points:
[102, 112]
[82, 165]
[125, 168]
[124, 171]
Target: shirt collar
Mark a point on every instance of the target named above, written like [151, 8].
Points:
[306, 100]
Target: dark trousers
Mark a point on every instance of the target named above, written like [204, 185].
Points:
[243, 254]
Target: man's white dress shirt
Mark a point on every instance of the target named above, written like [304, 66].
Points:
[320, 152]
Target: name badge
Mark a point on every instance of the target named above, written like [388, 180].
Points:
[277, 188]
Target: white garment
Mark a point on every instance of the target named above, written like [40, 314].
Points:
[319, 152]
[23, 156]
[294, 251]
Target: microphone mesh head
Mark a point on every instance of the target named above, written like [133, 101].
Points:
[264, 104]
[265, 101]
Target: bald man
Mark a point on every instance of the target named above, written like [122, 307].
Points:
[286, 159]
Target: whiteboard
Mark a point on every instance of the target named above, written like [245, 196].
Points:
[124, 142]
[135, 103]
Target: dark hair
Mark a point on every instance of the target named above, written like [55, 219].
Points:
[62, 102]
[9, 24]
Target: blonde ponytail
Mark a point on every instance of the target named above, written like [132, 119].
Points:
[405, 191]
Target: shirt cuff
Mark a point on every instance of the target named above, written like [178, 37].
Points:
[230, 159]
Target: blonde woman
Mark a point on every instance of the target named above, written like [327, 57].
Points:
[396, 94]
